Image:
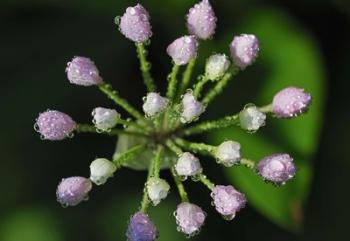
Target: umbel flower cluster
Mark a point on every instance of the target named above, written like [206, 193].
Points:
[170, 118]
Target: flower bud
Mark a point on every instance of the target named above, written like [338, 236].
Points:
[290, 102]
[54, 125]
[154, 104]
[105, 119]
[191, 108]
[201, 20]
[228, 153]
[141, 228]
[216, 66]
[100, 170]
[73, 190]
[135, 25]
[157, 189]
[188, 165]
[251, 119]
[244, 50]
[189, 218]
[83, 71]
[277, 168]
[183, 49]
[227, 200]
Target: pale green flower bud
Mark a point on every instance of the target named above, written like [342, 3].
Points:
[100, 170]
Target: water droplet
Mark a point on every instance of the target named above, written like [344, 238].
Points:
[117, 20]
[36, 127]
[64, 205]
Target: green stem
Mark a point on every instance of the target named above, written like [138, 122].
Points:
[248, 163]
[200, 147]
[173, 147]
[134, 124]
[153, 169]
[145, 200]
[113, 95]
[180, 186]
[212, 125]
[266, 108]
[129, 154]
[219, 87]
[202, 80]
[172, 86]
[158, 160]
[186, 78]
[86, 128]
[203, 178]
[145, 67]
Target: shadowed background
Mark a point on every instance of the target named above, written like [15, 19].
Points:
[303, 43]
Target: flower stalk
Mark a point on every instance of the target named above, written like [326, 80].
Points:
[145, 67]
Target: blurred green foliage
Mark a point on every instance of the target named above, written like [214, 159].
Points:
[289, 57]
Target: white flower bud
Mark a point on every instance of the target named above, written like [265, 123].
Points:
[154, 104]
[251, 118]
[157, 189]
[100, 170]
[228, 153]
[216, 66]
[105, 119]
[188, 165]
[191, 108]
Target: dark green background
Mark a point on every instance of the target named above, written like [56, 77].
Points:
[303, 40]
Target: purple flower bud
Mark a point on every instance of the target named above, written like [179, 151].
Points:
[73, 190]
[135, 25]
[227, 200]
[141, 228]
[83, 71]
[201, 20]
[189, 218]
[54, 125]
[277, 168]
[244, 50]
[290, 102]
[183, 49]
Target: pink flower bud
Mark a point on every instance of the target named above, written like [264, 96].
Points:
[277, 168]
[183, 49]
[54, 125]
[201, 20]
[189, 218]
[244, 50]
[290, 102]
[73, 190]
[227, 200]
[83, 71]
[135, 25]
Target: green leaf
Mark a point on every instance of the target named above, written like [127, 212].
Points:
[142, 161]
[289, 57]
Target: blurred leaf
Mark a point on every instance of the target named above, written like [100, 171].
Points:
[289, 57]
[30, 225]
